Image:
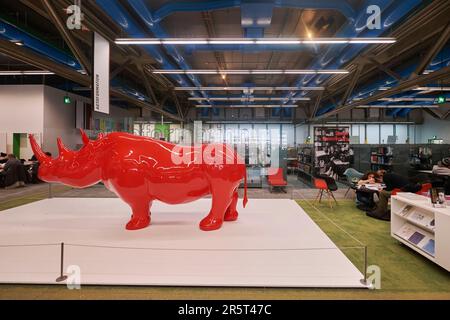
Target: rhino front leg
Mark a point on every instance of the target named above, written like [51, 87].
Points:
[141, 215]
[221, 200]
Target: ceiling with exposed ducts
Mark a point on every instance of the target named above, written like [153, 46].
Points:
[396, 77]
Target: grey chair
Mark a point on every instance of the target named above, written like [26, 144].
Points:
[352, 176]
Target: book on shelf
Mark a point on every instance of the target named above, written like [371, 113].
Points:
[422, 219]
[418, 237]
[406, 231]
[429, 247]
[405, 211]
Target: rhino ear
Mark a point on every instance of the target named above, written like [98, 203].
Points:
[84, 137]
[61, 147]
[40, 155]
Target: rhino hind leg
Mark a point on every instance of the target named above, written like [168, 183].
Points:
[141, 215]
[222, 197]
[231, 214]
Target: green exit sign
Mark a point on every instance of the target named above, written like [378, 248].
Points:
[441, 100]
[67, 100]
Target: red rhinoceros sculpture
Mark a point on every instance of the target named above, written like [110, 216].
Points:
[140, 170]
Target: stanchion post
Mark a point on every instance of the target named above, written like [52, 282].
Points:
[62, 277]
[364, 281]
[365, 264]
[50, 195]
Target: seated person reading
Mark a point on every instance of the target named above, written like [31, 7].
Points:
[392, 181]
[365, 199]
[442, 168]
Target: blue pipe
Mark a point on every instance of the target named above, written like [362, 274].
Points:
[209, 5]
[144, 13]
[442, 60]
[118, 13]
[10, 32]
[336, 56]
[393, 12]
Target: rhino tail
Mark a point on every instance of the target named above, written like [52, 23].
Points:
[245, 188]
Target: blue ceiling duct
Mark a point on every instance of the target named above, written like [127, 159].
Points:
[119, 14]
[337, 56]
[13, 33]
[442, 60]
[141, 9]
[210, 5]
[392, 12]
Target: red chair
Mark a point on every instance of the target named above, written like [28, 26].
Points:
[276, 180]
[425, 188]
[322, 185]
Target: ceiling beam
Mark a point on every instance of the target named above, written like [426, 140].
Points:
[28, 56]
[316, 105]
[383, 68]
[114, 73]
[67, 36]
[353, 83]
[177, 104]
[403, 86]
[433, 52]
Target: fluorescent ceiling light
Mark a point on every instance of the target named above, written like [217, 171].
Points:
[250, 41]
[249, 88]
[248, 106]
[413, 106]
[256, 72]
[430, 89]
[249, 99]
[406, 99]
[25, 73]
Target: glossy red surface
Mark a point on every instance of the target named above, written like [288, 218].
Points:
[140, 170]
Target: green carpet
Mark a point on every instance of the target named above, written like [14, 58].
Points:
[402, 269]
[404, 273]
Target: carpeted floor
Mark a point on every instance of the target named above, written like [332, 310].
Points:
[404, 273]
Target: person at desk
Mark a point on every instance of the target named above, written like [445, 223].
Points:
[8, 174]
[3, 158]
[392, 181]
[365, 198]
[442, 168]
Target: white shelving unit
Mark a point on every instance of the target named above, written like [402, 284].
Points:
[422, 227]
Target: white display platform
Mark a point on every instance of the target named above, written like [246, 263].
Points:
[273, 244]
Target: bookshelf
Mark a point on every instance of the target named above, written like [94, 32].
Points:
[305, 163]
[422, 227]
[381, 158]
[332, 152]
[421, 158]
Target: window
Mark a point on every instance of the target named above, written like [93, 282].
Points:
[386, 130]
[373, 134]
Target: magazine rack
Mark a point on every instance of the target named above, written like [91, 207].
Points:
[422, 227]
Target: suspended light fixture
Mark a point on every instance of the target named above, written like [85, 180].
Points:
[249, 99]
[255, 41]
[249, 88]
[26, 73]
[248, 106]
[255, 72]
